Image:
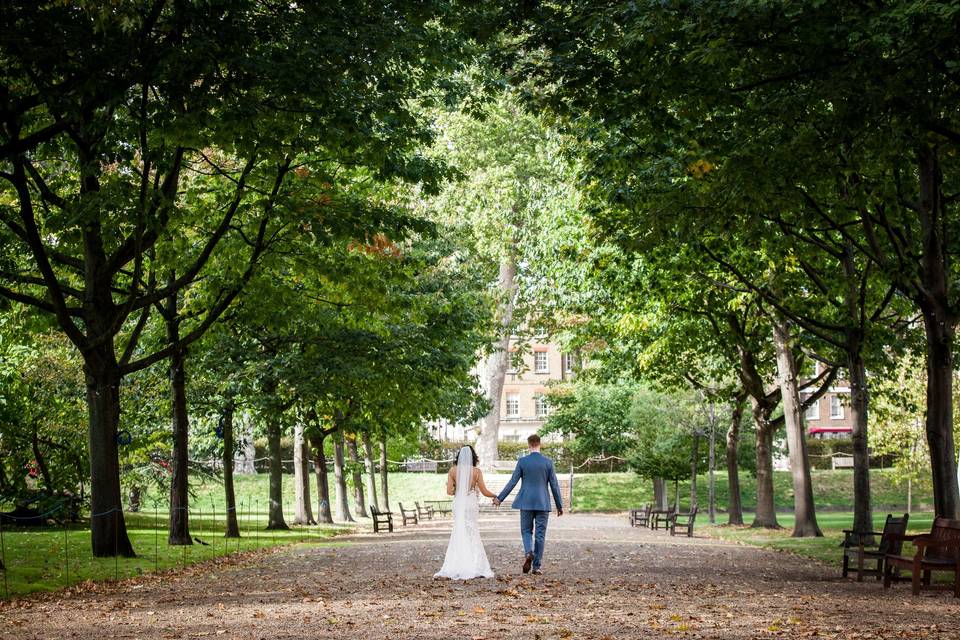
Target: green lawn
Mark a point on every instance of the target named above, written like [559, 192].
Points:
[49, 559]
[833, 490]
[826, 549]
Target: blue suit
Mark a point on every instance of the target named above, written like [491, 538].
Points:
[537, 473]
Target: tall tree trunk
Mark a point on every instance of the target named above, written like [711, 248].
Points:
[179, 533]
[712, 466]
[383, 473]
[735, 505]
[274, 434]
[940, 325]
[859, 396]
[359, 504]
[340, 479]
[303, 512]
[660, 497]
[497, 365]
[108, 530]
[766, 513]
[805, 515]
[859, 399]
[248, 452]
[233, 527]
[371, 471]
[694, 462]
[323, 487]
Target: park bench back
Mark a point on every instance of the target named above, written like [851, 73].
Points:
[944, 530]
[891, 539]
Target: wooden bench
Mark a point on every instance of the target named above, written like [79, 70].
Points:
[684, 521]
[408, 515]
[381, 518]
[640, 517]
[661, 516]
[424, 513]
[443, 507]
[890, 543]
[938, 550]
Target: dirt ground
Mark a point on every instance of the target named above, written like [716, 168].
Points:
[601, 579]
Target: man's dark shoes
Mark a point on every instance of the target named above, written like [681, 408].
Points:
[527, 563]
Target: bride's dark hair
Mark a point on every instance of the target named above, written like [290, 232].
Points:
[476, 458]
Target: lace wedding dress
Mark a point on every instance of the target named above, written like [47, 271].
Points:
[465, 557]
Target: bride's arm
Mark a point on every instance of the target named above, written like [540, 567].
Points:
[482, 487]
[451, 482]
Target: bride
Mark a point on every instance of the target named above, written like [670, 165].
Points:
[465, 557]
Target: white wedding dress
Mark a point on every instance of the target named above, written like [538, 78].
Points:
[465, 557]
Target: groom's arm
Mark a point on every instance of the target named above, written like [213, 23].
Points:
[555, 488]
[514, 479]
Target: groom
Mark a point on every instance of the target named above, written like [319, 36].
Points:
[536, 471]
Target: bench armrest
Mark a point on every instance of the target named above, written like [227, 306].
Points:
[925, 541]
[908, 537]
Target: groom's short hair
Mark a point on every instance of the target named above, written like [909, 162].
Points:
[534, 440]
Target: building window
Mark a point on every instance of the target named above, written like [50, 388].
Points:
[511, 438]
[540, 362]
[542, 407]
[813, 411]
[836, 408]
[513, 404]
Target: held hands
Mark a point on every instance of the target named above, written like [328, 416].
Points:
[559, 512]
[496, 502]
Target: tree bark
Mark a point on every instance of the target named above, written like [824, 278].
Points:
[859, 400]
[179, 533]
[859, 396]
[660, 498]
[303, 512]
[108, 531]
[232, 526]
[939, 325]
[734, 505]
[711, 466]
[340, 479]
[371, 471]
[766, 513]
[762, 404]
[359, 504]
[274, 434]
[247, 449]
[323, 487]
[497, 365]
[383, 473]
[694, 455]
[805, 515]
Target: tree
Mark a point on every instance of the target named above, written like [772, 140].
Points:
[842, 91]
[596, 415]
[514, 176]
[102, 132]
[664, 424]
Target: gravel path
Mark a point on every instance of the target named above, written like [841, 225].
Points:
[602, 580]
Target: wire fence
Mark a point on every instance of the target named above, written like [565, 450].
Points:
[48, 551]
